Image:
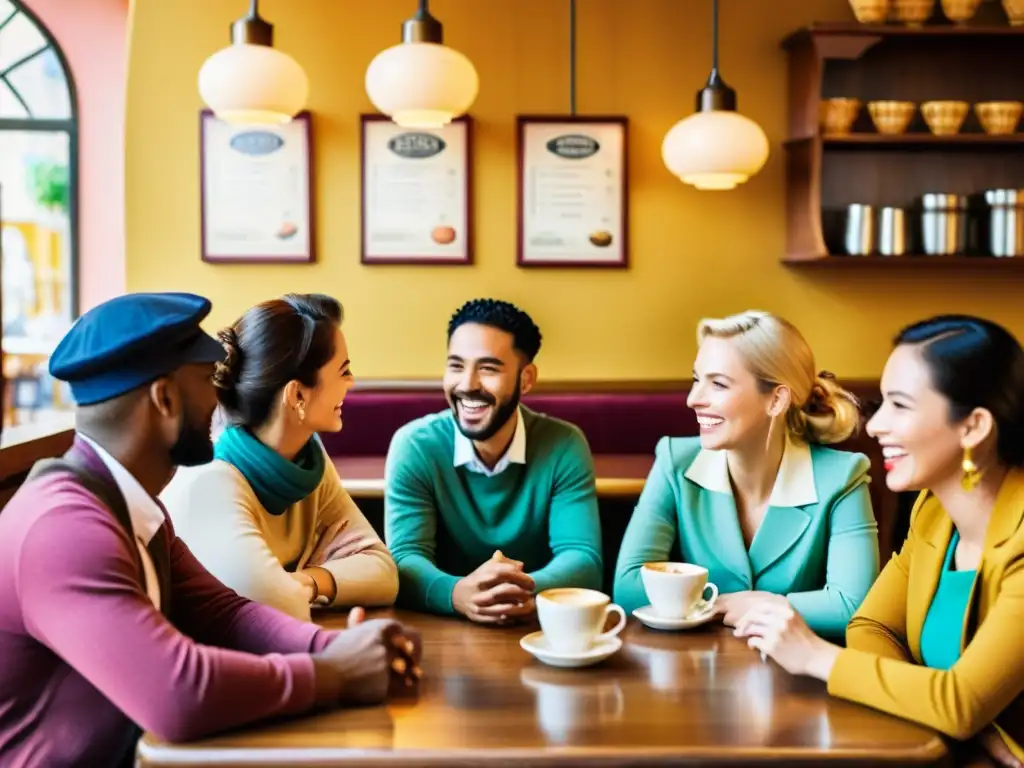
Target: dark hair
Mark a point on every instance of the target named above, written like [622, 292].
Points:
[506, 317]
[976, 363]
[271, 344]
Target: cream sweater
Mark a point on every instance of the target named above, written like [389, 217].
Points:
[216, 513]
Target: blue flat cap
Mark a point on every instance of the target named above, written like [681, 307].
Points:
[129, 341]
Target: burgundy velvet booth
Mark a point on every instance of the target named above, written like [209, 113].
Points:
[616, 420]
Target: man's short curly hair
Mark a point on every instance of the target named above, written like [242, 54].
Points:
[526, 337]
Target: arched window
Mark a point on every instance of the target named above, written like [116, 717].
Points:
[38, 210]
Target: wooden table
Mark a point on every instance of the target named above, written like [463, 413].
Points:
[617, 475]
[699, 697]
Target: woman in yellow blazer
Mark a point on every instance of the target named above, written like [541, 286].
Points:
[938, 638]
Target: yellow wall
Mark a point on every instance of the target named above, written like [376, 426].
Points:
[693, 254]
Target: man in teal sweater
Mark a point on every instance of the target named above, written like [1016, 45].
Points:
[488, 503]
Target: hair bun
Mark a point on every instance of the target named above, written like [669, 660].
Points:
[831, 414]
[225, 376]
[821, 401]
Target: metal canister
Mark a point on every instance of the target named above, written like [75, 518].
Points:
[944, 224]
[1003, 222]
[892, 231]
[859, 235]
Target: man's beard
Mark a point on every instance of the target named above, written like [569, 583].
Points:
[193, 446]
[502, 414]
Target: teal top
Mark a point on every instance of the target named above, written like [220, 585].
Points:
[277, 482]
[443, 521]
[943, 631]
[817, 543]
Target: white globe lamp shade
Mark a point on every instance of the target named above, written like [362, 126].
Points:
[422, 84]
[715, 150]
[253, 84]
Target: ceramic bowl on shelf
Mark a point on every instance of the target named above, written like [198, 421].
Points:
[870, 11]
[913, 13]
[959, 11]
[945, 118]
[999, 118]
[836, 116]
[1014, 12]
[891, 117]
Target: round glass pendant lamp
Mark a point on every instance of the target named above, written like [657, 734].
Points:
[716, 148]
[250, 81]
[422, 83]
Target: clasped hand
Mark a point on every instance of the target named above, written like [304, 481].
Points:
[372, 659]
[498, 592]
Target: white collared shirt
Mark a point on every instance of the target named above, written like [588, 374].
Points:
[465, 453]
[143, 511]
[794, 484]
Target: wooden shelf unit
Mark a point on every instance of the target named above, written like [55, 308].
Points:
[824, 174]
[910, 261]
[916, 140]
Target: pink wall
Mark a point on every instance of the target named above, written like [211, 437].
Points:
[93, 36]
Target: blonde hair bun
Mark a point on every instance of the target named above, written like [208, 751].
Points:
[831, 414]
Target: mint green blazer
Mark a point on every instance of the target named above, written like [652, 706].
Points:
[817, 544]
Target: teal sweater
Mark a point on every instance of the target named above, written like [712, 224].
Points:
[442, 522]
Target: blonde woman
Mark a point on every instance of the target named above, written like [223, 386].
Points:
[756, 499]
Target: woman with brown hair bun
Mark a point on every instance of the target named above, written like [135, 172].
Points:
[269, 516]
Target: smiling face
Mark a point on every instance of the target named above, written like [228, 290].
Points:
[334, 380]
[732, 406]
[922, 446]
[484, 379]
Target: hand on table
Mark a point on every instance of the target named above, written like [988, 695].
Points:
[776, 629]
[497, 592]
[370, 659]
[732, 606]
[995, 748]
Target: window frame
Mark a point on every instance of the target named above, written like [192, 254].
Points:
[68, 125]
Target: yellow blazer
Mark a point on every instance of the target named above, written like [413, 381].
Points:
[882, 668]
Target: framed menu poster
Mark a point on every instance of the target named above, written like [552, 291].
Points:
[572, 191]
[256, 191]
[416, 193]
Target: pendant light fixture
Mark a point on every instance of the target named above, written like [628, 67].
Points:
[250, 81]
[422, 83]
[715, 148]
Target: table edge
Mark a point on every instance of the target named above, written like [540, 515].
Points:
[183, 754]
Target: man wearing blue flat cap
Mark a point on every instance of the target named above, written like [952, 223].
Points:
[107, 621]
[112, 353]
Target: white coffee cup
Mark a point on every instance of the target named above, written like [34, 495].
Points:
[573, 619]
[676, 590]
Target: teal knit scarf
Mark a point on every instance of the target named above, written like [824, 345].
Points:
[277, 482]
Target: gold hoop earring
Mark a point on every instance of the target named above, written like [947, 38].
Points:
[768, 442]
[972, 475]
[301, 410]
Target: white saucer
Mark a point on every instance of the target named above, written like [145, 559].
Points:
[537, 646]
[650, 619]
